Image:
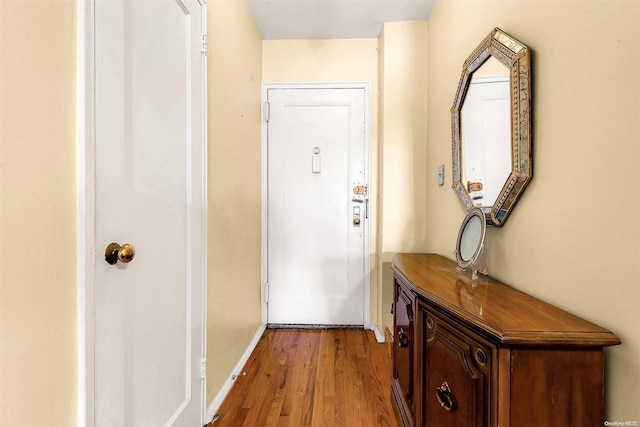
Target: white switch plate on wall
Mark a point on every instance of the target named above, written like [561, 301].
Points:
[441, 175]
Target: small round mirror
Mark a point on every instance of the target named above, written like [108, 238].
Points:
[470, 243]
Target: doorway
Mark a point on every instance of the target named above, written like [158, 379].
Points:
[316, 204]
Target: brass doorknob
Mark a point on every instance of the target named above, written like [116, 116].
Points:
[114, 253]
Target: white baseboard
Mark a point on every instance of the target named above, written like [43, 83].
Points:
[379, 336]
[212, 409]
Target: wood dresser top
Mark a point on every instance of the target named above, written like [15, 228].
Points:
[498, 311]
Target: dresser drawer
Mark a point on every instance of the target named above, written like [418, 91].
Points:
[456, 371]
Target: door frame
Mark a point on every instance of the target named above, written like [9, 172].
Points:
[85, 226]
[366, 86]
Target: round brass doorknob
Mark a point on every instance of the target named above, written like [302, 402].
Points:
[114, 253]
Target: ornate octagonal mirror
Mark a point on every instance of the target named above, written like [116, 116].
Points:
[491, 127]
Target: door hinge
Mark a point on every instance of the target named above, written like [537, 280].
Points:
[266, 293]
[203, 47]
[267, 111]
[203, 369]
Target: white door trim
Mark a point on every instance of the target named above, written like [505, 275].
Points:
[366, 86]
[85, 228]
[85, 169]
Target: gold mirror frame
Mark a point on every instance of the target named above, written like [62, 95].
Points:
[515, 56]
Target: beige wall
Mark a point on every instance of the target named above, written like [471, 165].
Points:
[321, 61]
[37, 213]
[574, 237]
[403, 138]
[234, 256]
[349, 60]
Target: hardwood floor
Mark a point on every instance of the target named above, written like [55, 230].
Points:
[309, 378]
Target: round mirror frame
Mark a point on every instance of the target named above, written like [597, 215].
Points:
[463, 264]
[515, 56]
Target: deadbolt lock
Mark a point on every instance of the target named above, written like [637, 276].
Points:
[356, 216]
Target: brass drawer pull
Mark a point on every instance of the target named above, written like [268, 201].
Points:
[430, 323]
[445, 397]
[403, 339]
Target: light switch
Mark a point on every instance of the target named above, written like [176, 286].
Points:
[441, 175]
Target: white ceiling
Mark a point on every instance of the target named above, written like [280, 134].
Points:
[332, 19]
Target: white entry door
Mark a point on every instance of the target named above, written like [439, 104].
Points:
[317, 206]
[149, 192]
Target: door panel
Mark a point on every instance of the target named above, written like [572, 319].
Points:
[316, 156]
[403, 351]
[149, 193]
[457, 374]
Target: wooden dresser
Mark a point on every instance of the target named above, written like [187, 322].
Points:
[480, 353]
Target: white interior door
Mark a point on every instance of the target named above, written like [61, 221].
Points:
[149, 192]
[316, 222]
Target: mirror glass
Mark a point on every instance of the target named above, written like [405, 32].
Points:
[491, 122]
[486, 133]
[470, 239]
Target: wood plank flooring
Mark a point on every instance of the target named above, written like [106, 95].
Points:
[312, 378]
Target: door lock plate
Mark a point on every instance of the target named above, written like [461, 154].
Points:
[360, 189]
[356, 216]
